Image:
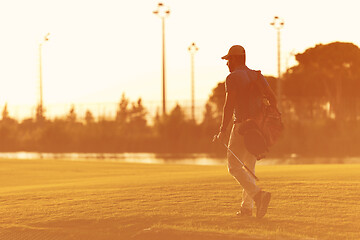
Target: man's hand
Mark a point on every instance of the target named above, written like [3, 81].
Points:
[220, 137]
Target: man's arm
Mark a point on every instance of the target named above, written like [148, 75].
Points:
[228, 111]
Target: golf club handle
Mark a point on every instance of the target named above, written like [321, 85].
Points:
[247, 169]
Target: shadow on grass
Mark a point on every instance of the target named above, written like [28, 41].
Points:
[158, 234]
[142, 227]
[220, 227]
[215, 227]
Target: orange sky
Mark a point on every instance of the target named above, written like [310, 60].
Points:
[99, 49]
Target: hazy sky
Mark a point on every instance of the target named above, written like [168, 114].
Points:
[99, 49]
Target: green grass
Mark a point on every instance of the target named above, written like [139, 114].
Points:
[47, 199]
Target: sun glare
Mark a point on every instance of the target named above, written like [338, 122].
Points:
[100, 50]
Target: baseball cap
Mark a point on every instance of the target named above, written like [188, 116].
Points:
[235, 50]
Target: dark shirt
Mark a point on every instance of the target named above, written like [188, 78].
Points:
[239, 82]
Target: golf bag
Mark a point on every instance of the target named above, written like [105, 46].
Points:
[263, 125]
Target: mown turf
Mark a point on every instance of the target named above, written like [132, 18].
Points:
[47, 199]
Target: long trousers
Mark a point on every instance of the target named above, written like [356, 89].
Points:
[250, 189]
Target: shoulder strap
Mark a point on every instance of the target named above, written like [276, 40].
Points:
[256, 81]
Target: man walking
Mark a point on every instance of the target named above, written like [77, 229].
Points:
[237, 102]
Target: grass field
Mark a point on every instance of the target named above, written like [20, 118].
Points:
[48, 199]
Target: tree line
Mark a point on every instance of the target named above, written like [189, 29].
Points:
[128, 131]
[320, 106]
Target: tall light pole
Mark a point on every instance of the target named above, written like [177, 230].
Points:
[192, 49]
[278, 24]
[41, 107]
[163, 11]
